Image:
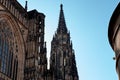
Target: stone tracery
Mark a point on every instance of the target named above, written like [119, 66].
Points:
[6, 48]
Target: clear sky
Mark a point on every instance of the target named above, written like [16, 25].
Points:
[88, 22]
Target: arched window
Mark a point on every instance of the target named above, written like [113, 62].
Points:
[15, 69]
[6, 49]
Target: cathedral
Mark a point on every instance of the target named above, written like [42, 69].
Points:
[23, 48]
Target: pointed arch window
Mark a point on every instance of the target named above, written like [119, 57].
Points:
[15, 69]
[6, 52]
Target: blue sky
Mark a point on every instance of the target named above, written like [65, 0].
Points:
[88, 22]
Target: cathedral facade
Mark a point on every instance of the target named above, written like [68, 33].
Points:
[23, 48]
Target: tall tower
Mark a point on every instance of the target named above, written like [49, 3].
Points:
[62, 59]
[36, 61]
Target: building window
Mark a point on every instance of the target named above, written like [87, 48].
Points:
[6, 52]
[15, 69]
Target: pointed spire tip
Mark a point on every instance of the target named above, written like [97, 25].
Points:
[61, 6]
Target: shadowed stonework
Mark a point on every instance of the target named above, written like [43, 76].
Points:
[23, 49]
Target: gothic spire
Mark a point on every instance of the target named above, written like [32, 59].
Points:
[61, 25]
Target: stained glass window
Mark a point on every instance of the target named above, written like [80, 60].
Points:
[6, 53]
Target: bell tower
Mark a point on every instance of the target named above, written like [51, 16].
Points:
[62, 59]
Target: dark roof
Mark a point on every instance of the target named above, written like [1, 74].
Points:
[112, 22]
